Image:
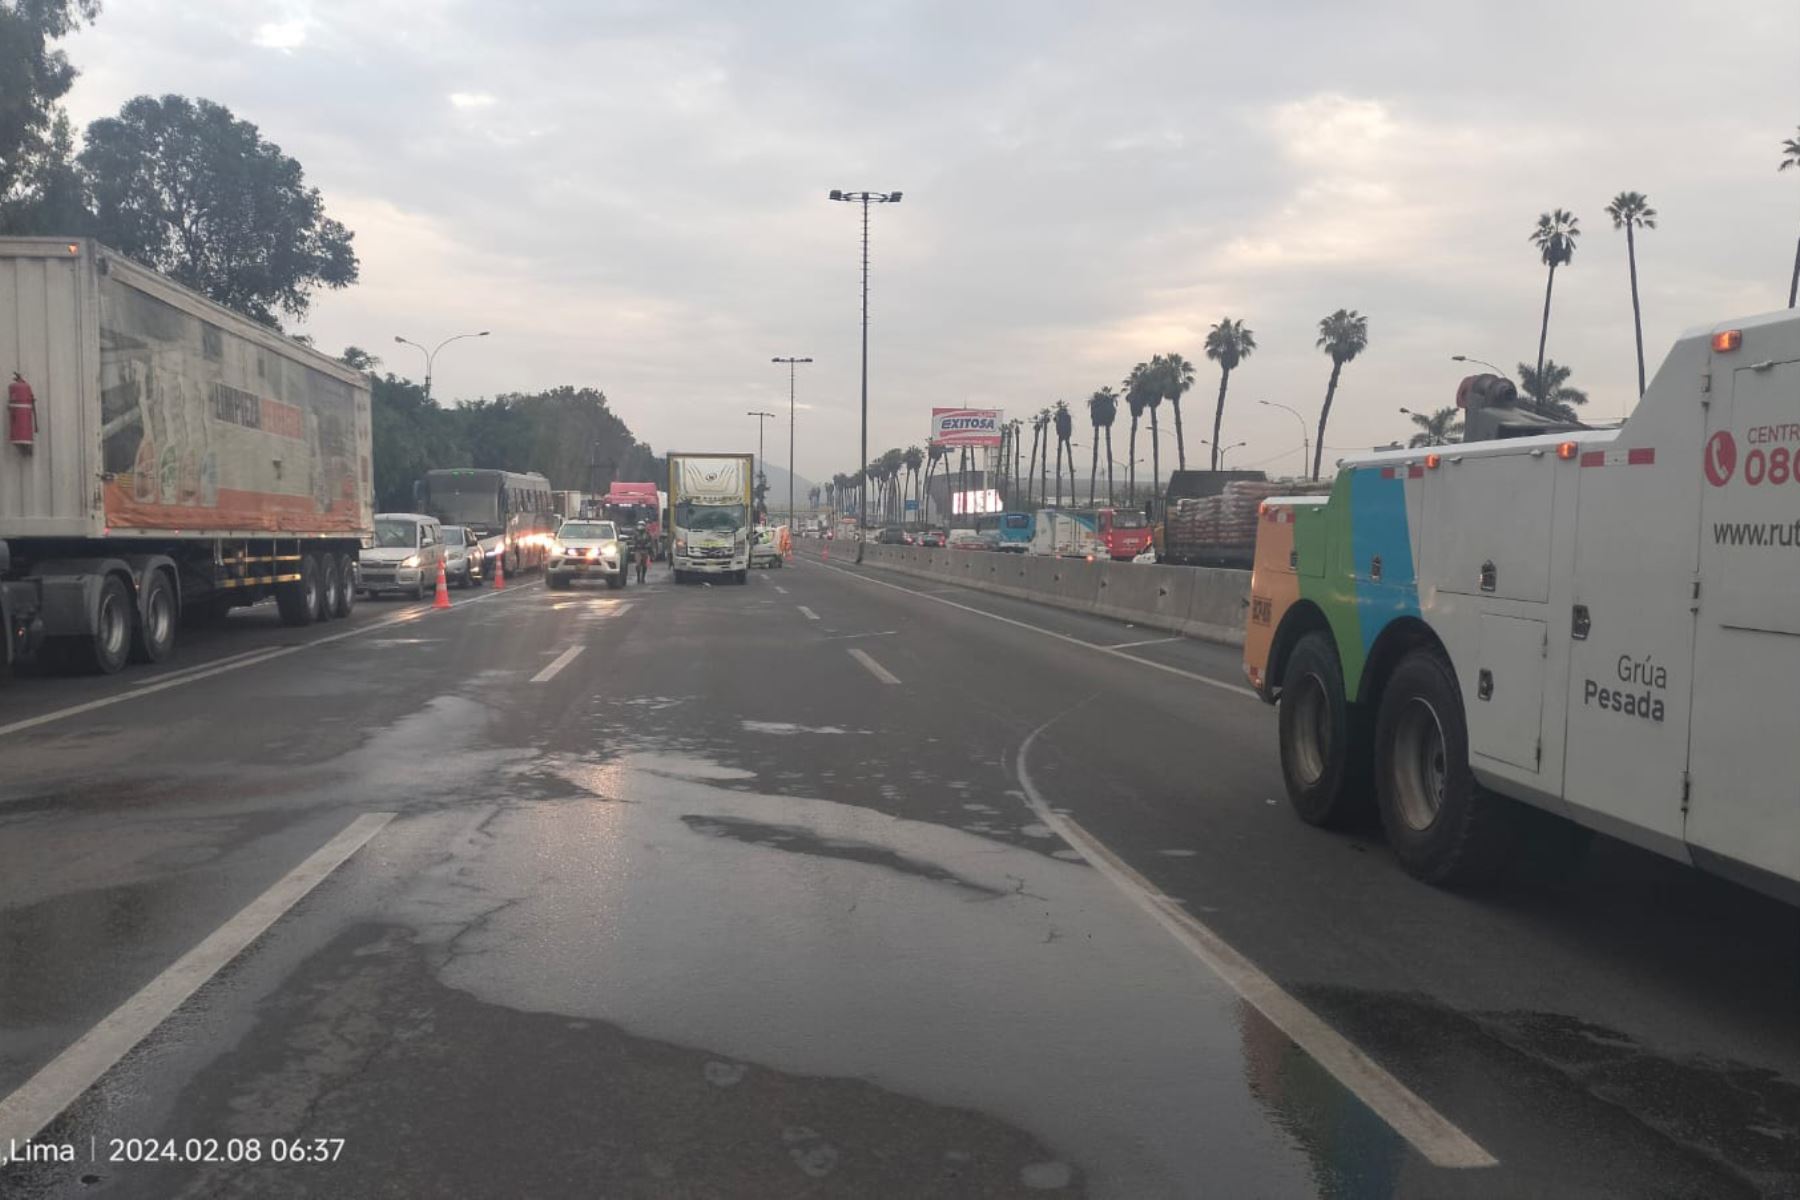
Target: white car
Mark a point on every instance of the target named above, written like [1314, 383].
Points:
[586, 550]
[764, 550]
[403, 556]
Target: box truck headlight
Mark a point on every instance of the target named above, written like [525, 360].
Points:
[411, 560]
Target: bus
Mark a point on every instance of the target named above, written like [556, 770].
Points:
[511, 512]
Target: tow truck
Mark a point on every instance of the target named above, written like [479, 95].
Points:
[1547, 630]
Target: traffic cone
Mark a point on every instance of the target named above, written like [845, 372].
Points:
[500, 569]
[442, 599]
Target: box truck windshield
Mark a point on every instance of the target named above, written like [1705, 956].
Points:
[711, 518]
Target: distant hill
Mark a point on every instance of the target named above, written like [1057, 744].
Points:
[778, 488]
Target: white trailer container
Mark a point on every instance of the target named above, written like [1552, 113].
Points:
[169, 457]
[709, 515]
[1066, 535]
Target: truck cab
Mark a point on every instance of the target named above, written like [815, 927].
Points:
[1597, 625]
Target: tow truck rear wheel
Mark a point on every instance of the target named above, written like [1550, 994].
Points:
[1443, 826]
[1325, 754]
[299, 602]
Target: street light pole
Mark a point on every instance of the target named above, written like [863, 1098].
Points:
[1305, 443]
[865, 199]
[764, 475]
[792, 364]
[431, 354]
[1464, 358]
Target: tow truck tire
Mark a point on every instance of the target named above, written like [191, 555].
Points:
[345, 602]
[108, 648]
[154, 638]
[1443, 826]
[1326, 758]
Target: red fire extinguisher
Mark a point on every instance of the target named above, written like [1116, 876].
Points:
[21, 412]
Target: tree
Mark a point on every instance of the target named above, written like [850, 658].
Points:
[1228, 343]
[189, 189]
[1790, 157]
[1343, 335]
[1153, 398]
[1175, 378]
[1548, 393]
[35, 141]
[1043, 424]
[934, 455]
[1631, 211]
[1065, 429]
[914, 459]
[1554, 238]
[1439, 429]
[1031, 465]
[358, 359]
[1134, 401]
[1103, 409]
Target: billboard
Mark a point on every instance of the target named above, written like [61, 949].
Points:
[966, 503]
[966, 426]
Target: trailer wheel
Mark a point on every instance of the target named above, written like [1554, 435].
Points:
[106, 650]
[346, 596]
[1325, 753]
[298, 603]
[328, 586]
[1443, 826]
[154, 639]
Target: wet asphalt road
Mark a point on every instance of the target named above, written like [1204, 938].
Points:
[716, 907]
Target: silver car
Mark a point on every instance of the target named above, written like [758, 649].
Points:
[463, 560]
[586, 550]
[764, 550]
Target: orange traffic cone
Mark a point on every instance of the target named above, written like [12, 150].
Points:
[442, 599]
[500, 569]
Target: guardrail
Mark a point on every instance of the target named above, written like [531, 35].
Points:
[1201, 602]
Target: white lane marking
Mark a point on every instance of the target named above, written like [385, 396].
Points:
[808, 613]
[845, 637]
[249, 658]
[62, 1081]
[1428, 1131]
[876, 669]
[781, 589]
[1146, 642]
[1208, 680]
[556, 664]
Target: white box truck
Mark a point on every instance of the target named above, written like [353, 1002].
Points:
[1548, 621]
[1066, 535]
[709, 515]
[165, 458]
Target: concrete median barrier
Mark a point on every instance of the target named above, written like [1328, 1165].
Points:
[1201, 602]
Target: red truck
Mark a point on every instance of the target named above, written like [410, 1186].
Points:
[1124, 531]
[635, 504]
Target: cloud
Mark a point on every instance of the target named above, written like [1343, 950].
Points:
[639, 201]
[280, 35]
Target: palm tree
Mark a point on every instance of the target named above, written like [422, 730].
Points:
[1043, 421]
[1228, 343]
[1037, 429]
[1554, 238]
[914, 459]
[1103, 407]
[1065, 428]
[934, 454]
[1142, 383]
[1439, 429]
[1343, 335]
[1548, 391]
[1175, 379]
[1790, 157]
[1631, 211]
[1134, 401]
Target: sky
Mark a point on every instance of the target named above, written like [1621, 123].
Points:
[632, 194]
